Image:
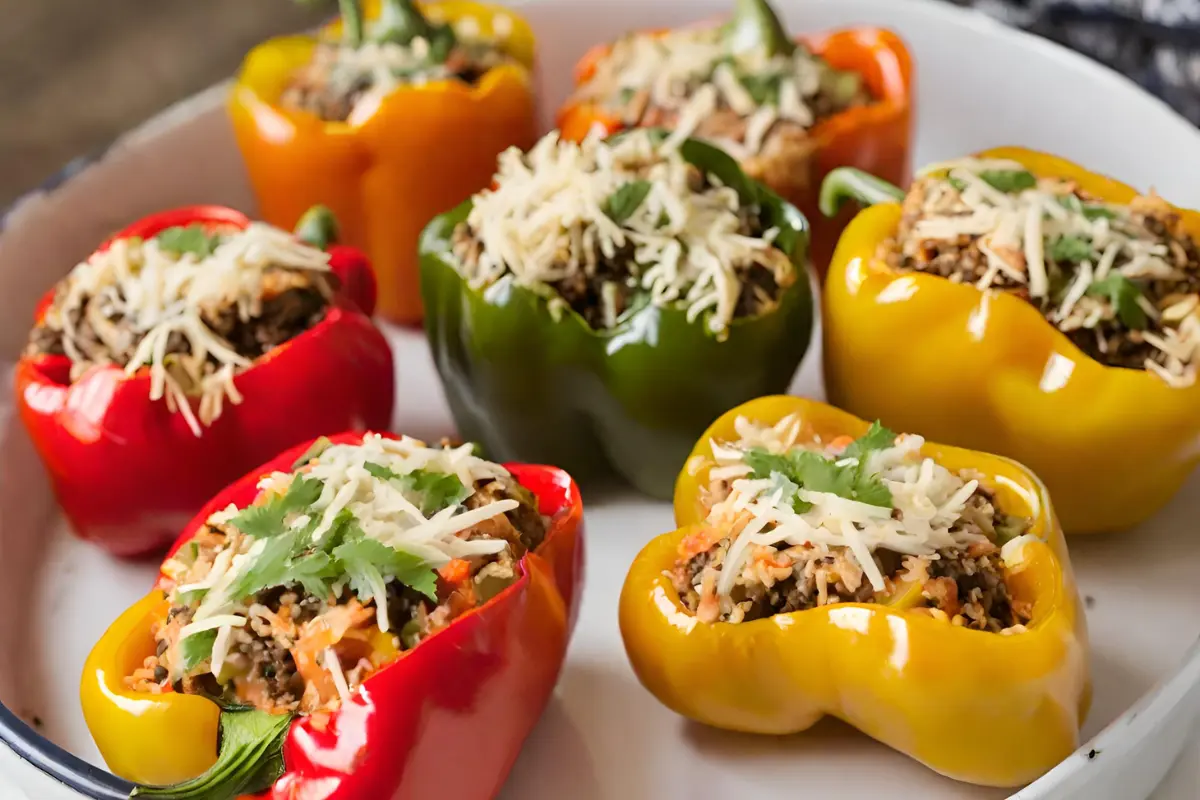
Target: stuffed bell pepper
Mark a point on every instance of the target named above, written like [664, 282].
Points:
[390, 117]
[825, 566]
[188, 348]
[349, 621]
[789, 111]
[1016, 303]
[606, 300]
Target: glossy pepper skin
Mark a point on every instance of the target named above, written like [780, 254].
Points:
[422, 151]
[975, 706]
[535, 386]
[879, 134]
[474, 689]
[128, 472]
[985, 370]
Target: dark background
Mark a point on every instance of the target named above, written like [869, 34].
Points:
[75, 73]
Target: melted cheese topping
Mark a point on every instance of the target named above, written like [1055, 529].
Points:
[161, 294]
[545, 220]
[928, 496]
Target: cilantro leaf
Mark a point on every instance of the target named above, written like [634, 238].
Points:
[271, 568]
[789, 492]
[184, 239]
[763, 89]
[1070, 248]
[267, 519]
[1123, 294]
[365, 559]
[314, 572]
[430, 491]
[195, 649]
[621, 204]
[877, 437]
[1009, 180]
[1090, 211]
[811, 470]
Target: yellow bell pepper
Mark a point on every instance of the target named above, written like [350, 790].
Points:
[990, 709]
[423, 150]
[154, 739]
[985, 370]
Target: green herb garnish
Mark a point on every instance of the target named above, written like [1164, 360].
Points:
[195, 649]
[314, 451]
[369, 562]
[763, 89]
[1123, 294]
[810, 470]
[1073, 249]
[267, 519]
[1009, 180]
[1090, 211]
[184, 239]
[621, 204]
[249, 761]
[434, 490]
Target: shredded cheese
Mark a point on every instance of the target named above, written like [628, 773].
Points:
[544, 220]
[160, 295]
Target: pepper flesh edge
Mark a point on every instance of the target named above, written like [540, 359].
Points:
[986, 370]
[909, 681]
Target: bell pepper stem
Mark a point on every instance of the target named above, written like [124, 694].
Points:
[400, 22]
[755, 27]
[352, 22]
[318, 227]
[847, 183]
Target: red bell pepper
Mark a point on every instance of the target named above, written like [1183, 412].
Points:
[128, 472]
[445, 720]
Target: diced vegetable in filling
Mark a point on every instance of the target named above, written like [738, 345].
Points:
[195, 307]
[751, 102]
[1121, 281]
[796, 523]
[359, 554]
[344, 81]
[611, 225]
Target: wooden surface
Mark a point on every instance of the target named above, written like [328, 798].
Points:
[76, 73]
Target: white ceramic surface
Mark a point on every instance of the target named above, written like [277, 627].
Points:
[603, 736]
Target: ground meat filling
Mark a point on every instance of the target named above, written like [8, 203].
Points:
[961, 582]
[608, 227]
[192, 306]
[340, 79]
[1121, 281]
[751, 104]
[278, 659]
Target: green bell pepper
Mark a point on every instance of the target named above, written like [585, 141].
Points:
[532, 381]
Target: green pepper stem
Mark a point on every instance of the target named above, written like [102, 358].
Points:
[755, 27]
[848, 183]
[318, 227]
[352, 22]
[400, 21]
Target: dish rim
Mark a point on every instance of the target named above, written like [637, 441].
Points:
[96, 783]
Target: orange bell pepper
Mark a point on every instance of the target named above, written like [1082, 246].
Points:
[990, 709]
[986, 370]
[423, 150]
[878, 134]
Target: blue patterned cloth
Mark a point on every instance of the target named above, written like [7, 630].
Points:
[1154, 42]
